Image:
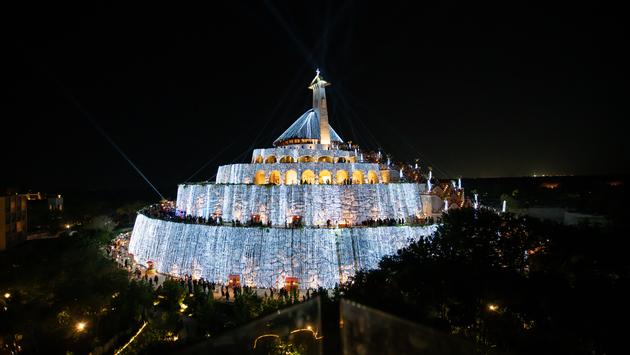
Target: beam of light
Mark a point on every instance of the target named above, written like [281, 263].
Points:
[132, 339]
[503, 208]
[89, 117]
[445, 205]
[211, 159]
[300, 45]
[459, 183]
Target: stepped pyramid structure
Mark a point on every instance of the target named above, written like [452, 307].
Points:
[303, 210]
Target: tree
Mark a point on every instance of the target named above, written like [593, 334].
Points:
[508, 283]
[101, 222]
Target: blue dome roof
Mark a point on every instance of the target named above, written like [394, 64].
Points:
[307, 127]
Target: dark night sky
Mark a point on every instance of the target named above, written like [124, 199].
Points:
[477, 91]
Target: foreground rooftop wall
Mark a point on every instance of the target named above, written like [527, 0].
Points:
[265, 256]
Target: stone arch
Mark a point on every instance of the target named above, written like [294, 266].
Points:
[325, 177]
[341, 160]
[260, 178]
[258, 160]
[341, 177]
[357, 177]
[287, 159]
[290, 177]
[325, 159]
[308, 177]
[274, 177]
[385, 178]
[306, 159]
[372, 177]
[271, 159]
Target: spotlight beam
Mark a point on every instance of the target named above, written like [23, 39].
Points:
[102, 132]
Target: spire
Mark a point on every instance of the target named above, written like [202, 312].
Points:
[318, 85]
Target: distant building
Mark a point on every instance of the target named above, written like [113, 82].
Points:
[55, 204]
[13, 221]
[568, 218]
[45, 212]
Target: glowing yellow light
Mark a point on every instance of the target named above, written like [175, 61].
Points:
[156, 303]
[493, 307]
[80, 326]
[307, 329]
[7, 295]
[264, 336]
[67, 226]
[132, 339]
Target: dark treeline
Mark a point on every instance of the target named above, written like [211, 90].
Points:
[509, 284]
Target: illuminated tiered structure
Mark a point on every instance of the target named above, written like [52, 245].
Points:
[310, 196]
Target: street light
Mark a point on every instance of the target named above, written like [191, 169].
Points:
[80, 326]
[493, 307]
[7, 295]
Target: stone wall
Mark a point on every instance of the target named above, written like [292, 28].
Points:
[315, 204]
[265, 256]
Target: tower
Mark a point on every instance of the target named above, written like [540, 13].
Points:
[319, 105]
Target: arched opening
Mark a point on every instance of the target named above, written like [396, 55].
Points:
[291, 177]
[258, 160]
[308, 177]
[357, 177]
[259, 178]
[342, 177]
[341, 160]
[287, 159]
[270, 159]
[325, 159]
[385, 178]
[274, 177]
[372, 177]
[306, 159]
[325, 177]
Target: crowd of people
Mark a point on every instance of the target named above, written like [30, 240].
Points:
[383, 222]
[228, 292]
[171, 214]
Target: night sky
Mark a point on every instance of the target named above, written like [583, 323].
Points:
[474, 91]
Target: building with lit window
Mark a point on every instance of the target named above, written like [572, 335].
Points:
[13, 220]
[310, 209]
